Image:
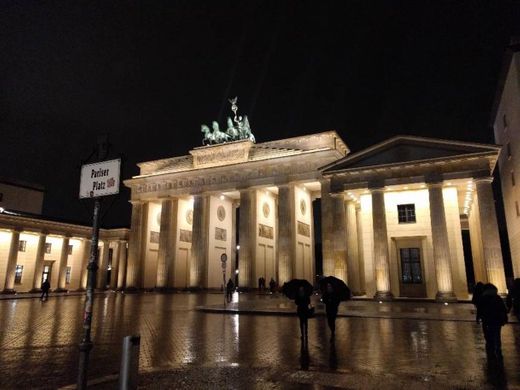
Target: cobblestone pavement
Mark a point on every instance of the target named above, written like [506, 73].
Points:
[183, 347]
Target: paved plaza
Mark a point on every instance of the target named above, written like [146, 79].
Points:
[183, 346]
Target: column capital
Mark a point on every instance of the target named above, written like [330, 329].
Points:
[135, 202]
[376, 189]
[17, 229]
[434, 184]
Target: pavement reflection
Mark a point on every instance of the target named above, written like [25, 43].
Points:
[40, 340]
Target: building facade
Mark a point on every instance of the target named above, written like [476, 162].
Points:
[391, 216]
[35, 249]
[506, 125]
[21, 197]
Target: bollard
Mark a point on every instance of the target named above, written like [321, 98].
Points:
[128, 373]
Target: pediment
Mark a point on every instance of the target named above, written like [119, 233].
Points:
[408, 149]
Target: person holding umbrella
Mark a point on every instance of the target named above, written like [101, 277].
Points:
[303, 301]
[300, 291]
[331, 302]
[334, 291]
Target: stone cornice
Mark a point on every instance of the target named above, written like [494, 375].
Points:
[245, 152]
[36, 225]
[280, 170]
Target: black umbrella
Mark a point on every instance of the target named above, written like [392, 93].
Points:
[290, 289]
[339, 287]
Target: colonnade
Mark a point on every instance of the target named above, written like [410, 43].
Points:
[282, 234]
[62, 262]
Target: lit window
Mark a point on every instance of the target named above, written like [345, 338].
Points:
[22, 245]
[48, 247]
[67, 275]
[406, 213]
[70, 249]
[517, 209]
[513, 179]
[18, 274]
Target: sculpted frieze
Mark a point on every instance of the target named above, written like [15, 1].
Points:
[234, 177]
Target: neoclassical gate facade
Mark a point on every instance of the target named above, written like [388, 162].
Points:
[392, 215]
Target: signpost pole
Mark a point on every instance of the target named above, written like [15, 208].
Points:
[86, 343]
[97, 180]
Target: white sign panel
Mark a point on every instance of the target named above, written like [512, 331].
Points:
[100, 179]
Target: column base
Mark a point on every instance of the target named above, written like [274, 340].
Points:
[36, 290]
[9, 291]
[81, 289]
[131, 290]
[60, 290]
[445, 297]
[383, 296]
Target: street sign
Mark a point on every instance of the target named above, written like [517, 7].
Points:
[100, 179]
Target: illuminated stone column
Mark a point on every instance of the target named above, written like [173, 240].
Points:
[116, 257]
[167, 244]
[103, 266]
[361, 260]
[122, 265]
[441, 248]
[339, 235]
[381, 260]
[85, 257]
[352, 248]
[62, 266]
[234, 252]
[247, 238]
[11, 263]
[199, 245]
[327, 211]
[490, 239]
[135, 244]
[286, 233]
[38, 263]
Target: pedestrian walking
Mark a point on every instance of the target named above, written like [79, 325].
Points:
[303, 302]
[272, 285]
[477, 293]
[45, 290]
[493, 313]
[230, 288]
[331, 301]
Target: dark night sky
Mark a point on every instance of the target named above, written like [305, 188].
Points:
[149, 73]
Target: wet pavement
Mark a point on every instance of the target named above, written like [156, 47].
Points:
[277, 304]
[182, 347]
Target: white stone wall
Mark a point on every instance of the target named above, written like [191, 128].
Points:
[265, 253]
[304, 259]
[21, 199]
[26, 259]
[509, 165]
[216, 245]
[54, 257]
[5, 241]
[418, 232]
[183, 250]
[153, 222]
